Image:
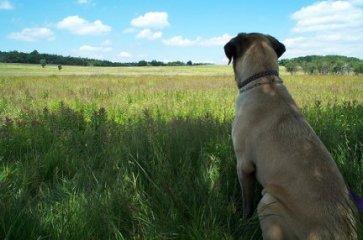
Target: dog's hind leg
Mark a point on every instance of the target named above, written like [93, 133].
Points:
[272, 220]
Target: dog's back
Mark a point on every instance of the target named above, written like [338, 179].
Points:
[298, 171]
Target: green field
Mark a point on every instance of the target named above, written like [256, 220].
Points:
[144, 152]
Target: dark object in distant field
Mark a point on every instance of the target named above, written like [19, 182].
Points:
[43, 62]
[60, 67]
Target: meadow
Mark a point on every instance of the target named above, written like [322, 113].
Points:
[144, 152]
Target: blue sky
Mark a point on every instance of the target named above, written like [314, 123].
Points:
[125, 30]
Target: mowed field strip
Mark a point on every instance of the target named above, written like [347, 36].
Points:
[37, 70]
[169, 89]
[144, 152]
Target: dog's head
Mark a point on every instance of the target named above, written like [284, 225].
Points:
[238, 45]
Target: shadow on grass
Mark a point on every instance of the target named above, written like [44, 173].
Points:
[64, 177]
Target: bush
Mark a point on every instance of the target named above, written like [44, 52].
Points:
[43, 62]
[291, 67]
[331, 64]
[358, 68]
[142, 63]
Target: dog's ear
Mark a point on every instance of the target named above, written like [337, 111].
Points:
[230, 50]
[276, 45]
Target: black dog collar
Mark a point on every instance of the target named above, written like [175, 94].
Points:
[257, 76]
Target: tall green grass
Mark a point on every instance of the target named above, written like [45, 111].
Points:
[144, 157]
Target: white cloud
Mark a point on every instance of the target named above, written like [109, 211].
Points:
[97, 52]
[327, 27]
[124, 54]
[95, 49]
[6, 5]
[157, 20]
[324, 44]
[80, 26]
[180, 41]
[216, 41]
[149, 34]
[32, 34]
[328, 15]
[199, 41]
[357, 2]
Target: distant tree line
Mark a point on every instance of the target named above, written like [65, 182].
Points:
[331, 64]
[43, 58]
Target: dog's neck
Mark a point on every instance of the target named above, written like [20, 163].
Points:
[257, 58]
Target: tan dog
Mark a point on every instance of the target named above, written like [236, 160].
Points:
[304, 194]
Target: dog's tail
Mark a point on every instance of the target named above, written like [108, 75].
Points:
[358, 201]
